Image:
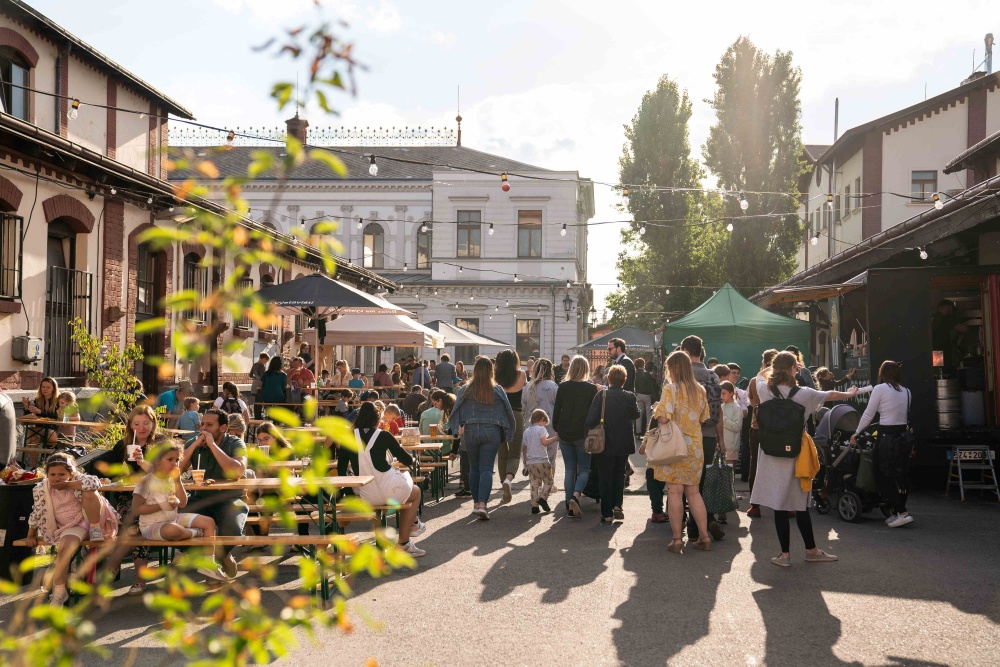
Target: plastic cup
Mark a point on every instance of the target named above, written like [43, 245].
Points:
[434, 430]
[264, 449]
[131, 450]
[198, 476]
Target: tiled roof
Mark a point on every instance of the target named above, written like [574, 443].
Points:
[427, 158]
[815, 151]
[974, 153]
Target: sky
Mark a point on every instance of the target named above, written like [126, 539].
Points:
[549, 83]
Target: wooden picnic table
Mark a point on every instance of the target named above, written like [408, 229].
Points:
[439, 436]
[295, 464]
[56, 423]
[258, 484]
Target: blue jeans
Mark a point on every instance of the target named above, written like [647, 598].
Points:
[577, 463]
[482, 441]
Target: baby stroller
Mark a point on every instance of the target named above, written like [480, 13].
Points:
[840, 464]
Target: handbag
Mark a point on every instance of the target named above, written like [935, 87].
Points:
[866, 472]
[665, 444]
[719, 490]
[594, 442]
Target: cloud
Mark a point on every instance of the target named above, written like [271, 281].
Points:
[445, 39]
[385, 18]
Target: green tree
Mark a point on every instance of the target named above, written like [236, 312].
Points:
[657, 152]
[754, 146]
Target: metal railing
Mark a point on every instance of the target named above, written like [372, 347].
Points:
[11, 228]
[68, 296]
[318, 136]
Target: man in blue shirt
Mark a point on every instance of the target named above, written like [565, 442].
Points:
[173, 399]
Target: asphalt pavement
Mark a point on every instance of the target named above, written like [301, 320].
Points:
[525, 589]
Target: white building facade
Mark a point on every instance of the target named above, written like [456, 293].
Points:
[508, 264]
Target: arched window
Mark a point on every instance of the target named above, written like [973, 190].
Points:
[14, 70]
[374, 257]
[424, 249]
[195, 279]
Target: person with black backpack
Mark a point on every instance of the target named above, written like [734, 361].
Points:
[781, 420]
[231, 403]
[711, 429]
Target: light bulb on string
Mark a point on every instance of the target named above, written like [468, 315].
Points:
[372, 167]
[460, 268]
[435, 291]
[423, 228]
[496, 308]
[230, 138]
[472, 297]
[361, 222]
[815, 239]
[504, 183]
[114, 191]
[142, 115]
[829, 201]
[668, 291]
[406, 267]
[562, 232]
[923, 253]
[149, 200]
[642, 230]
[491, 316]
[303, 222]
[491, 229]
[74, 110]
[729, 227]
[625, 192]
[938, 204]
[506, 302]
[516, 279]
[568, 284]
[744, 204]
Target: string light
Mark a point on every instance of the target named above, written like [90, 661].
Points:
[497, 308]
[923, 253]
[562, 232]
[938, 204]
[506, 302]
[142, 115]
[568, 284]
[625, 192]
[504, 184]
[491, 316]
[472, 297]
[303, 222]
[435, 291]
[149, 200]
[74, 109]
[642, 230]
[372, 167]
[729, 227]
[230, 139]
[744, 204]
[406, 267]
[114, 191]
[491, 229]
[668, 291]
[460, 269]
[829, 201]
[516, 279]
[423, 228]
[815, 238]
[361, 222]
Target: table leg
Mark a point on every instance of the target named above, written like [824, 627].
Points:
[324, 585]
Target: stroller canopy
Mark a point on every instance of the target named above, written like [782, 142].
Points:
[842, 418]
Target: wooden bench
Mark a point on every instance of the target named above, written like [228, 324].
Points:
[378, 516]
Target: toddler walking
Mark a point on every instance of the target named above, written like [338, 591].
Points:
[68, 510]
[535, 455]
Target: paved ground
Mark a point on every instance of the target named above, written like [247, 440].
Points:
[523, 589]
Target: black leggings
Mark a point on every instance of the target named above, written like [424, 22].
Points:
[892, 489]
[784, 532]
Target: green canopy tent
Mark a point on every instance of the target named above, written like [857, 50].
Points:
[734, 329]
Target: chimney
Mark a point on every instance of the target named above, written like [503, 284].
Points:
[989, 53]
[297, 127]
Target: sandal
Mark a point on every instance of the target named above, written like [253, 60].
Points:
[676, 545]
[703, 544]
[607, 520]
[137, 589]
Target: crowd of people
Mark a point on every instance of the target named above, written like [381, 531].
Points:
[505, 417]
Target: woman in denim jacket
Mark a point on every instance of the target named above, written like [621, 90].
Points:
[484, 419]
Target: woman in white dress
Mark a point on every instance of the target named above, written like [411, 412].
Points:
[776, 485]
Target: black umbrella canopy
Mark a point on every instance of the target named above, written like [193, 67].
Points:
[322, 296]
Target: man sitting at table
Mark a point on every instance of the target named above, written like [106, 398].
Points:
[173, 400]
[223, 457]
[412, 402]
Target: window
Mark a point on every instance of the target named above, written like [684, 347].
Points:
[467, 353]
[470, 233]
[266, 281]
[196, 280]
[847, 201]
[529, 338]
[14, 70]
[145, 283]
[10, 255]
[374, 257]
[424, 249]
[836, 209]
[922, 185]
[857, 193]
[245, 284]
[529, 233]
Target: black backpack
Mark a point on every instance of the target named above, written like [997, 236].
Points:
[231, 406]
[780, 421]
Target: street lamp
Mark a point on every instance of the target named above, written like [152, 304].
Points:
[568, 305]
[593, 317]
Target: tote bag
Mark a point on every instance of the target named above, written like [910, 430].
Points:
[719, 490]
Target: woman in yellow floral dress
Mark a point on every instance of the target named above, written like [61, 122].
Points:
[683, 400]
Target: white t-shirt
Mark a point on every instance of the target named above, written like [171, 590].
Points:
[155, 490]
[532, 441]
[811, 399]
[220, 400]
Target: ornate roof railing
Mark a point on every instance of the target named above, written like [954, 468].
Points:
[320, 136]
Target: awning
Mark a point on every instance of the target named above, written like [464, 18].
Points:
[396, 330]
[455, 336]
[806, 293]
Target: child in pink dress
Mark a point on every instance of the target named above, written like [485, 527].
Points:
[68, 509]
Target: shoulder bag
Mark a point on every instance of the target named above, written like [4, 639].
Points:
[665, 444]
[594, 442]
[718, 490]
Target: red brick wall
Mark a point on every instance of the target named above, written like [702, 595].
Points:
[154, 141]
[20, 379]
[78, 216]
[871, 182]
[111, 270]
[64, 102]
[10, 195]
[112, 143]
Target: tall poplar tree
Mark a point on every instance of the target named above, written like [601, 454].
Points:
[755, 146]
[657, 152]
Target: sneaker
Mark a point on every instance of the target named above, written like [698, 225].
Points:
[463, 493]
[96, 534]
[419, 528]
[535, 510]
[507, 491]
[59, 596]
[574, 508]
[821, 557]
[618, 514]
[196, 532]
[900, 520]
[715, 530]
[544, 504]
[229, 566]
[754, 512]
[413, 549]
[658, 518]
[890, 519]
[782, 561]
[215, 573]
[481, 512]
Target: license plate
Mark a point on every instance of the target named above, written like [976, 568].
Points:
[974, 455]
